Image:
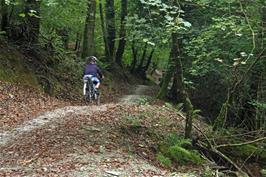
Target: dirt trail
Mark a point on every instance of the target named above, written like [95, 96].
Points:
[46, 118]
[139, 92]
[29, 137]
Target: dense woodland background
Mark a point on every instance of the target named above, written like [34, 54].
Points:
[211, 53]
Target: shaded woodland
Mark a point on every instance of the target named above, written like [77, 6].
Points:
[211, 58]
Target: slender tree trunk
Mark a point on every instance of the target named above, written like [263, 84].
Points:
[32, 21]
[77, 44]
[4, 16]
[103, 26]
[142, 58]
[88, 39]
[181, 86]
[146, 67]
[167, 77]
[173, 90]
[122, 35]
[110, 27]
[222, 116]
[135, 55]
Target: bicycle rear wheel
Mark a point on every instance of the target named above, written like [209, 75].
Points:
[97, 98]
[88, 96]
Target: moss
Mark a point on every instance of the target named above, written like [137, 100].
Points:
[183, 155]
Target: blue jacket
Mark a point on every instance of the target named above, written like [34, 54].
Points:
[92, 69]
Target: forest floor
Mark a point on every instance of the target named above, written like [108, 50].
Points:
[44, 136]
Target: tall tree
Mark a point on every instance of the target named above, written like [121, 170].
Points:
[122, 35]
[88, 39]
[110, 27]
[181, 85]
[103, 26]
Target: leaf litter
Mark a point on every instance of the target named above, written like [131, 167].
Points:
[105, 142]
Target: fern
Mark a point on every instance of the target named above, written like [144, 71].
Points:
[164, 160]
[179, 150]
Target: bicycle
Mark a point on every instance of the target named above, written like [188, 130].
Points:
[89, 91]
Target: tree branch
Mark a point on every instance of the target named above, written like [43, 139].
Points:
[241, 144]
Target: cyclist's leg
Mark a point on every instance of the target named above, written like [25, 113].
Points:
[96, 81]
[85, 80]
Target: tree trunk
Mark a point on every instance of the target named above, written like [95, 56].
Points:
[4, 16]
[222, 117]
[103, 26]
[146, 67]
[77, 44]
[110, 27]
[88, 39]
[139, 69]
[135, 59]
[173, 90]
[167, 77]
[32, 21]
[122, 35]
[181, 86]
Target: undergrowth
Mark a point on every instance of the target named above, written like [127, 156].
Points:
[175, 149]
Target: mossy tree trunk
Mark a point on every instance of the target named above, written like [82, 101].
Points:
[122, 35]
[181, 86]
[88, 48]
[110, 27]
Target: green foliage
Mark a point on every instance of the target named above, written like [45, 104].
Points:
[143, 101]
[263, 172]
[68, 14]
[258, 105]
[250, 151]
[104, 65]
[164, 160]
[178, 150]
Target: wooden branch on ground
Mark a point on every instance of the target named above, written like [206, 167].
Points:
[241, 144]
[219, 153]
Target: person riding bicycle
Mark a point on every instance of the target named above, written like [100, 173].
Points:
[93, 71]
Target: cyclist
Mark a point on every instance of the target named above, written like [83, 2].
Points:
[93, 71]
